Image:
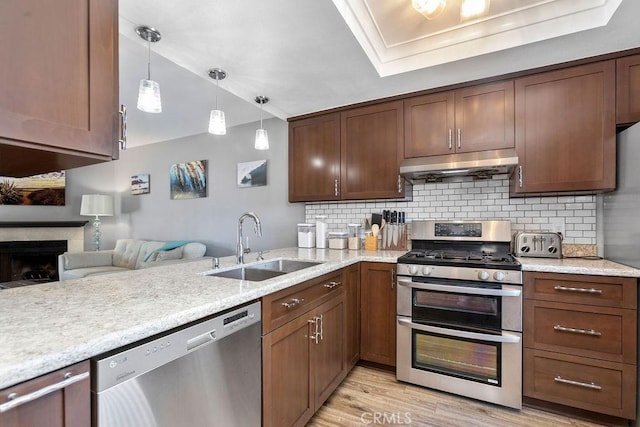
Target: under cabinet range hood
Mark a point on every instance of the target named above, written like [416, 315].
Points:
[481, 165]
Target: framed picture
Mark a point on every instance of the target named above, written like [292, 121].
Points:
[252, 174]
[140, 184]
[188, 180]
[47, 189]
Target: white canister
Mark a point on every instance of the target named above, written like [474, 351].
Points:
[321, 232]
[306, 235]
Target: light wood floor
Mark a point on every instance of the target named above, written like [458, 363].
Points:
[367, 391]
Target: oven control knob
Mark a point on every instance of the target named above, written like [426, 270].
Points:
[499, 276]
[426, 271]
[413, 270]
[483, 275]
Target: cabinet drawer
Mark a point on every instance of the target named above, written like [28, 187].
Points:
[597, 332]
[282, 306]
[603, 387]
[582, 289]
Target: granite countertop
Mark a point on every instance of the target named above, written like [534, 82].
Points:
[53, 325]
[597, 267]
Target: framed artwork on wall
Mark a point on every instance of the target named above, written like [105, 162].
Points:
[140, 184]
[47, 189]
[188, 180]
[252, 174]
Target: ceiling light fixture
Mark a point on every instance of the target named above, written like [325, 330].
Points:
[430, 9]
[473, 9]
[217, 124]
[149, 91]
[262, 139]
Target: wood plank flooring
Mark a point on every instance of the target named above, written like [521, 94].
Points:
[368, 393]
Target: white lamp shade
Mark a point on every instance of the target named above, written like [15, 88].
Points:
[217, 124]
[262, 140]
[149, 97]
[96, 205]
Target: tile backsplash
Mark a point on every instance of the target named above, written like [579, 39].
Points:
[468, 199]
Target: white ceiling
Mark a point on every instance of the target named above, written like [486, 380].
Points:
[303, 55]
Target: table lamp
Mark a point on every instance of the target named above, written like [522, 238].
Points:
[96, 205]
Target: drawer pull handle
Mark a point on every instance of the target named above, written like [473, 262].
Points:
[332, 285]
[594, 386]
[577, 331]
[581, 290]
[316, 333]
[15, 400]
[293, 303]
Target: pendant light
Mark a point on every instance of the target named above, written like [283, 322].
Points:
[149, 91]
[262, 139]
[217, 124]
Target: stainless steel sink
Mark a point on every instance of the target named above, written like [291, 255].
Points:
[285, 265]
[264, 270]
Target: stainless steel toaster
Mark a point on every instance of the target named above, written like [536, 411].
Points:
[543, 244]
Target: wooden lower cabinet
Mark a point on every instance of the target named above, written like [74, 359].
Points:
[378, 313]
[351, 283]
[580, 342]
[303, 361]
[66, 406]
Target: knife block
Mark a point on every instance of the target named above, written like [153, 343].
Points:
[394, 237]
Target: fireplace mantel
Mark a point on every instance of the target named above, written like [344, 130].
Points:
[33, 224]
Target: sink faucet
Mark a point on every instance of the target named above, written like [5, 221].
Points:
[240, 249]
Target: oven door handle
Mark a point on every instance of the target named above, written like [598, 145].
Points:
[461, 289]
[504, 338]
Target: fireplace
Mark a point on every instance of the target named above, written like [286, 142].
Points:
[30, 262]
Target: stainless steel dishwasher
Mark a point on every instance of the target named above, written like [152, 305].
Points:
[208, 374]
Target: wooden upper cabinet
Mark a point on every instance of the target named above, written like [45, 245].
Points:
[565, 130]
[476, 118]
[372, 148]
[628, 90]
[485, 117]
[314, 158]
[59, 91]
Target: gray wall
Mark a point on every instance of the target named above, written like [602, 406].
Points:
[211, 220]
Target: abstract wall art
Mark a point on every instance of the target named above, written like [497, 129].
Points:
[188, 180]
[252, 174]
[47, 189]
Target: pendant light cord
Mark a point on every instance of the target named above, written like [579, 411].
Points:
[149, 59]
[261, 108]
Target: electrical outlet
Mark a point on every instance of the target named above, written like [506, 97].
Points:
[557, 225]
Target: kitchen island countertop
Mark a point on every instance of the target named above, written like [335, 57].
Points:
[53, 325]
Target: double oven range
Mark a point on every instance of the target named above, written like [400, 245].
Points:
[459, 307]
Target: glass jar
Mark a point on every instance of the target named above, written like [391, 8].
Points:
[306, 235]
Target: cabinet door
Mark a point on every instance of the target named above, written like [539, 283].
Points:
[314, 158]
[378, 308]
[429, 125]
[59, 74]
[565, 130]
[327, 355]
[628, 90]
[287, 398]
[351, 283]
[68, 406]
[372, 148]
[485, 117]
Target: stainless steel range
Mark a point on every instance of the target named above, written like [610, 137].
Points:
[460, 311]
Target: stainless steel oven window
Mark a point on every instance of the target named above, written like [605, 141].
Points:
[470, 359]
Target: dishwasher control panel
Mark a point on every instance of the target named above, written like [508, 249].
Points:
[113, 369]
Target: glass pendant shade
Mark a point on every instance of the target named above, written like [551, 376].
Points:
[262, 140]
[217, 124]
[149, 97]
[473, 8]
[430, 9]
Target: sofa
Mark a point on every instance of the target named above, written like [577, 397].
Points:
[128, 254]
